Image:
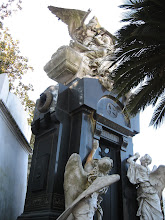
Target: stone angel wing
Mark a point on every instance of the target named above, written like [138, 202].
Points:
[157, 179]
[72, 17]
[75, 179]
[98, 184]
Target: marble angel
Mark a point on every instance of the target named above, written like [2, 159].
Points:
[83, 187]
[150, 185]
[93, 42]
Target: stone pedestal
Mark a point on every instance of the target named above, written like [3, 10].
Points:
[83, 111]
[64, 65]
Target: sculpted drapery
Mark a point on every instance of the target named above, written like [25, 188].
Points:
[147, 194]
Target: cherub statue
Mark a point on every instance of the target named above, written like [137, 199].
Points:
[150, 185]
[83, 186]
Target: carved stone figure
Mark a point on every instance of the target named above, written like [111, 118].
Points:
[96, 45]
[150, 185]
[83, 186]
[91, 41]
[72, 17]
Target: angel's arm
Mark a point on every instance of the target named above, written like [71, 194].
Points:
[94, 148]
[133, 158]
[131, 173]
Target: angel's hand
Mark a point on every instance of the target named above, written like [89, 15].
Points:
[137, 155]
[133, 158]
[95, 144]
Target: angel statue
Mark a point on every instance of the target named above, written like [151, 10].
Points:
[83, 186]
[93, 42]
[150, 185]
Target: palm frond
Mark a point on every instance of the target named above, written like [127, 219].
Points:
[140, 55]
[145, 94]
[158, 114]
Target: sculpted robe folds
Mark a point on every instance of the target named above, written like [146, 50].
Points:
[148, 199]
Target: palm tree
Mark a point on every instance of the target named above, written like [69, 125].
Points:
[140, 57]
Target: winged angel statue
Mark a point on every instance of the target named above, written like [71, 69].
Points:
[93, 42]
[150, 185]
[83, 186]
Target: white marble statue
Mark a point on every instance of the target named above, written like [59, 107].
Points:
[93, 42]
[150, 185]
[96, 45]
[83, 186]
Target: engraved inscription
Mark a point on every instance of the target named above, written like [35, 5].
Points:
[110, 136]
[112, 111]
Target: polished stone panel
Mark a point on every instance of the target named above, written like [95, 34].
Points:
[84, 110]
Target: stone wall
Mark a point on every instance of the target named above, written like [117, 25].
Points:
[14, 151]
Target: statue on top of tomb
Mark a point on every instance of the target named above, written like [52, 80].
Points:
[93, 42]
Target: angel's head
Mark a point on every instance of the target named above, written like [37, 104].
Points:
[105, 164]
[146, 160]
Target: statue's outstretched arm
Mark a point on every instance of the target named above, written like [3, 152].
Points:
[133, 158]
[92, 153]
[131, 172]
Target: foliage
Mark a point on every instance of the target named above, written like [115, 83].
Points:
[8, 7]
[140, 53]
[11, 60]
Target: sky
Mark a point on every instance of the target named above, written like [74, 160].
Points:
[40, 34]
